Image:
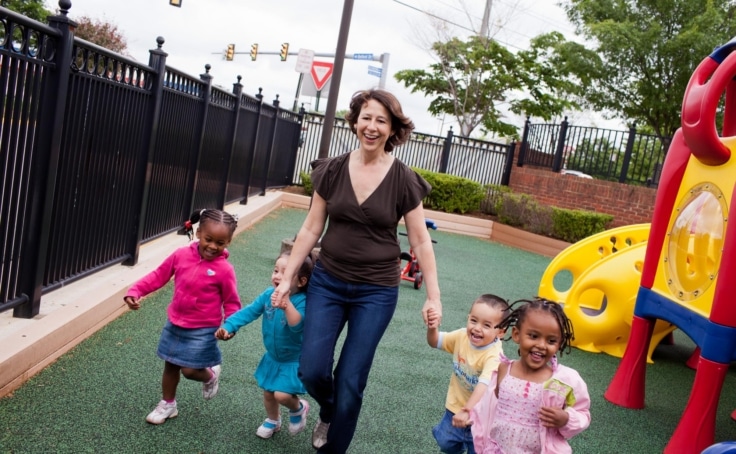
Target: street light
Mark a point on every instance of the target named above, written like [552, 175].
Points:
[176, 3]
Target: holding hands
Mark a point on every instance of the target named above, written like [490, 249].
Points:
[432, 318]
[223, 335]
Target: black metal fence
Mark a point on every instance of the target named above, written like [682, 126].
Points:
[478, 160]
[624, 156]
[101, 153]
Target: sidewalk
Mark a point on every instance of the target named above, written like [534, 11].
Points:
[83, 307]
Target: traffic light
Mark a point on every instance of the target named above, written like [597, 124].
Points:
[230, 52]
[253, 51]
[284, 51]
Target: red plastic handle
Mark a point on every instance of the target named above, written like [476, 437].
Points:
[708, 82]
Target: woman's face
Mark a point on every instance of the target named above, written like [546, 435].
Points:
[373, 126]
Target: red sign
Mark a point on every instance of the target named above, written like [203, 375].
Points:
[321, 73]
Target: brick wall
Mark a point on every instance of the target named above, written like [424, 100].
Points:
[627, 203]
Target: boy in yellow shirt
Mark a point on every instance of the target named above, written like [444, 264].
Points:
[475, 352]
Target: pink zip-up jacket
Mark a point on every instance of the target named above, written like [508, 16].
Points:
[565, 389]
[205, 291]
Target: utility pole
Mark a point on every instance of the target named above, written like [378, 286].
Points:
[342, 41]
[484, 28]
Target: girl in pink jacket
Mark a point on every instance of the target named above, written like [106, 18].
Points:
[205, 292]
[532, 405]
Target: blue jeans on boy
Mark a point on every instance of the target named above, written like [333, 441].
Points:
[331, 303]
[453, 440]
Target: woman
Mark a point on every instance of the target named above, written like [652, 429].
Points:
[364, 193]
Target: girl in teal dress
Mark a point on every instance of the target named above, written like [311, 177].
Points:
[282, 325]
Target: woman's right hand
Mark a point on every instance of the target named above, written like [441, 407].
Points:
[282, 291]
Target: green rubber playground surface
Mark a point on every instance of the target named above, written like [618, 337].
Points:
[95, 397]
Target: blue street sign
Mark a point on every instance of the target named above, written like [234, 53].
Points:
[362, 56]
[375, 71]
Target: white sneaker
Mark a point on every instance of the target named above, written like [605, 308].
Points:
[209, 389]
[163, 411]
[301, 424]
[268, 428]
[319, 434]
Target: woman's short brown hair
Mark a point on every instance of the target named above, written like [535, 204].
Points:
[401, 125]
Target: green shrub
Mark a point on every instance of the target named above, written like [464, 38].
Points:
[492, 198]
[452, 194]
[307, 182]
[574, 225]
[522, 211]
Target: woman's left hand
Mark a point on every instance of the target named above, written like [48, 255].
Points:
[436, 305]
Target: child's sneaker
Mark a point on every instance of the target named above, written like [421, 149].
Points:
[163, 411]
[268, 428]
[298, 419]
[209, 388]
[319, 434]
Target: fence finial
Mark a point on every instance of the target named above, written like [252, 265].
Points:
[160, 41]
[64, 6]
[207, 68]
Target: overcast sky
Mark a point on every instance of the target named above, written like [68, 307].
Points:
[199, 31]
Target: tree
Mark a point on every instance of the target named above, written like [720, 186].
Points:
[33, 9]
[475, 79]
[104, 34]
[643, 53]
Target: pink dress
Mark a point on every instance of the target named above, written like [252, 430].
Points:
[516, 428]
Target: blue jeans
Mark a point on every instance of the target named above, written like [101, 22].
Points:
[331, 303]
[452, 440]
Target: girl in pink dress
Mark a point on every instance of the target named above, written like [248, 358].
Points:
[532, 405]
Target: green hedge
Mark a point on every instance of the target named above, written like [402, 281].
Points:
[523, 211]
[452, 194]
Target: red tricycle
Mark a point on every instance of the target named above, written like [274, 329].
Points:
[411, 272]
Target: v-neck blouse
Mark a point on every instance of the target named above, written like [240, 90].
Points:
[361, 242]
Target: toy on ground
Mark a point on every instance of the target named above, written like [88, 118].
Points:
[411, 272]
[689, 270]
[605, 270]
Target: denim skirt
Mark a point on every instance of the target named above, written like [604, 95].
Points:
[195, 348]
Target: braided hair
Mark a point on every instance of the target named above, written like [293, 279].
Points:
[209, 215]
[520, 309]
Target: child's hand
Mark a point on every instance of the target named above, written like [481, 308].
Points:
[433, 320]
[553, 417]
[133, 303]
[281, 303]
[222, 334]
[461, 419]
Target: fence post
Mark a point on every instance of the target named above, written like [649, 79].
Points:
[254, 143]
[524, 143]
[445, 158]
[627, 154]
[157, 61]
[45, 165]
[269, 155]
[237, 92]
[509, 164]
[559, 152]
[191, 191]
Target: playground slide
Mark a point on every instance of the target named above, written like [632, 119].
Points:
[601, 276]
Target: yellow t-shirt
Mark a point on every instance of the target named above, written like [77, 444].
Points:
[471, 365]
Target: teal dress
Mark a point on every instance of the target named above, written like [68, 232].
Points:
[278, 368]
